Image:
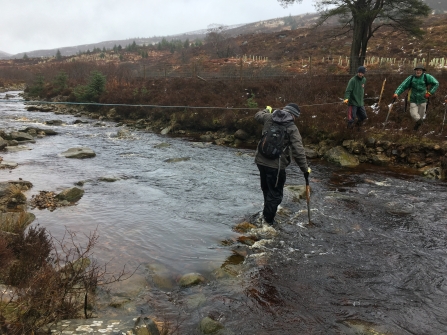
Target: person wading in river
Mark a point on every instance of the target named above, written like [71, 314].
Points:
[354, 98]
[421, 86]
[272, 171]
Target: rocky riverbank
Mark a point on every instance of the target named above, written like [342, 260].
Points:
[426, 156]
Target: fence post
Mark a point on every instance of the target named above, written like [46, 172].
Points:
[240, 69]
[310, 65]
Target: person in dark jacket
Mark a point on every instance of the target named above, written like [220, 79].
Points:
[272, 171]
[422, 86]
[354, 98]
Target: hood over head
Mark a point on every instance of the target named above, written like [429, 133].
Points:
[282, 116]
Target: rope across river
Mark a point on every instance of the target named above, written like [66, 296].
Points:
[143, 105]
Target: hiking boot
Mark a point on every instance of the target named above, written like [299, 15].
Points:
[417, 125]
[257, 219]
[274, 223]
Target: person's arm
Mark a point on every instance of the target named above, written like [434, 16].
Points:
[402, 87]
[349, 89]
[434, 84]
[261, 116]
[298, 153]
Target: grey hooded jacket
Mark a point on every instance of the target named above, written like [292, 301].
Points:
[294, 141]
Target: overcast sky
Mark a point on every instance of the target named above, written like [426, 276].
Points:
[28, 25]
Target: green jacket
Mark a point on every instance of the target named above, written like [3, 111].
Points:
[355, 91]
[419, 86]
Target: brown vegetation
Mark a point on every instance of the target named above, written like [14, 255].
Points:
[43, 280]
[306, 66]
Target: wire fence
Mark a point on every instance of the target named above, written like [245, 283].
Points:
[260, 68]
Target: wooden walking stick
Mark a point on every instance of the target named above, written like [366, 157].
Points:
[389, 111]
[381, 92]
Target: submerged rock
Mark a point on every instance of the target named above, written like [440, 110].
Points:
[209, 326]
[191, 279]
[175, 160]
[397, 208]
[79, 153]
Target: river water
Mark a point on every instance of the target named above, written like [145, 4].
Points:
[373, 259]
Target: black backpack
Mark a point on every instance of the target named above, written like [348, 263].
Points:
[271, 145]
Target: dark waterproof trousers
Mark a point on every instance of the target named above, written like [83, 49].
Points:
[356, 112]
[272, 194]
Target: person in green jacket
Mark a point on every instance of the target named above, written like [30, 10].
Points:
[354, 98]
[422, 85]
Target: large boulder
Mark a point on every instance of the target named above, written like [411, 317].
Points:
[81, 153]
[21, 136]
[241, 135]
[340, 156]
[70, 194]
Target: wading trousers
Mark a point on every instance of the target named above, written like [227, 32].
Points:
[272, 194]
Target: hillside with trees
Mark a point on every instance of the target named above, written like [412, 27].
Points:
[307, 65]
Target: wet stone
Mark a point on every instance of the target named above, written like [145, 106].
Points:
[176, 160]
[397, 208]
[191, 279]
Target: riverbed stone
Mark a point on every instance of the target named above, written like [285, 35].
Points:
[82, 152]
[166, 130]
[3, 143]
[21, 136]
[207, 138]
[145, 326]
[161, 277]
[191, 279]
[210, 326]
[50, 132]
[123, 133]
[241, 134]
[128, 288]
[380, 159]
[17, 148]
[310, 152]
[432, 173]
[8, 165]
[70, 194]
[394, 207]
[162, 145]
[176, 160]
[109, 179]
[195, 300]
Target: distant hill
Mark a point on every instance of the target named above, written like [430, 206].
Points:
[4, 54]
[266, 26]
[272, 25]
